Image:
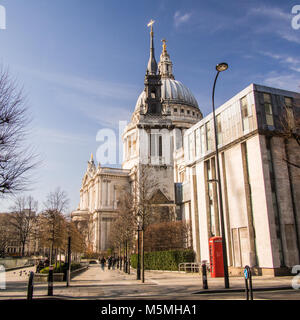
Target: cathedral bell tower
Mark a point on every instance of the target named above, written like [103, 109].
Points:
[152, 81]
[165, 65]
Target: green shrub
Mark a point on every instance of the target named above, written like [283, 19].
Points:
[75, 266]
[164, 260]
[58, 269]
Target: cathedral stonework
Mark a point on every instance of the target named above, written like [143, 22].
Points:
[163, 112]
[259, 160]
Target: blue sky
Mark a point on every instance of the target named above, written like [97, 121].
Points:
[82, 65]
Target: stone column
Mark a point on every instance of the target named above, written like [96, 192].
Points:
[251, 229]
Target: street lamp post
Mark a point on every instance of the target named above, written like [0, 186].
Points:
[68, 274]
[220, 67]
[140, 216]
[143, 255]
[138, 269]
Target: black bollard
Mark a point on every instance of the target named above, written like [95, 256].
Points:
[30, 286]
[50, 282]
[204, 276]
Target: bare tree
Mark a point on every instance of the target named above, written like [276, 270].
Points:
[77, 243]
[22, 219]
[143, 189]
[290, 122]
[57, 201]
[5, 234]
[124, 227]
[16, 159]
[139, 209]
[171, 235]
[53, 222]
[86, 228]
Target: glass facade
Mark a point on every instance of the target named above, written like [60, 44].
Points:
[268, 109]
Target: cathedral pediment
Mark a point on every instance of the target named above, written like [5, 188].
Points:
[159, 198]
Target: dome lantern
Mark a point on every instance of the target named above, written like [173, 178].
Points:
[165, 65]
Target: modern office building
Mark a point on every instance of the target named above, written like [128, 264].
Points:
[259, 158]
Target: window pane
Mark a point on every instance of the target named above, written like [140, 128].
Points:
[269, 119]
[288, 102]
[202, 134]
[198, 151]
[160, 146]
[192, 145]
[152, 144]
[268, 109]
[267, 97]
[208, 136]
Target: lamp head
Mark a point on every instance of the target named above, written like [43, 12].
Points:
[222, 66]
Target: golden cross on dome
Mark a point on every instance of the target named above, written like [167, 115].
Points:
[150, 24]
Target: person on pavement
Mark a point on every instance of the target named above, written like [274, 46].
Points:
[109, 262]
[102, 263]
[114, 261]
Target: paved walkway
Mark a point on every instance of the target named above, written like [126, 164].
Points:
[114, 284]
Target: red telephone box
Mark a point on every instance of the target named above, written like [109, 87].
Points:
[216, 257]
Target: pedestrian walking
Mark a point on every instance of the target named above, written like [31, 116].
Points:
[109, 262]
[102, 263]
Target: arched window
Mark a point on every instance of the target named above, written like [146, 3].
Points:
[156, 146]
[153, 93]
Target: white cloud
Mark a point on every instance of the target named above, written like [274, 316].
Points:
[106, 114]
[290, 62]
[99, 88]
[60, 137]
[288, 81]
[276, 21]
[181, 18]
[290, 36]
[271, 12]
[103, 102]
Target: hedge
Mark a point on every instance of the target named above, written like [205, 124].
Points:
[57, 269]
[164, 260]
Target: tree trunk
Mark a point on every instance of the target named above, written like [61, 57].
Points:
[23, 249]
[59, 260]
[51, 254]
[55, 259]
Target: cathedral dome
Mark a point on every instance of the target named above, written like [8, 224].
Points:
[172, 92]
[176, 92]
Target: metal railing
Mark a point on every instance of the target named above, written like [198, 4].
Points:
[190, 267]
